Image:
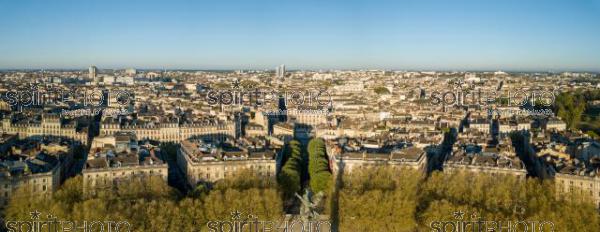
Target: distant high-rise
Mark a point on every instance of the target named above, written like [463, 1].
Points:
[131, 71]
[280, 71]
[93, 75]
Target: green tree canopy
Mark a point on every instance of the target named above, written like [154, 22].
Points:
[290, 176]
[318, 166]
[381, 90]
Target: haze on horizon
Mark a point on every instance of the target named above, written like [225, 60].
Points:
[408, 35]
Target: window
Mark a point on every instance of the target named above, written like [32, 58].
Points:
[44, 188]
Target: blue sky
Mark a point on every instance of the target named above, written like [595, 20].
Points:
[544, 35]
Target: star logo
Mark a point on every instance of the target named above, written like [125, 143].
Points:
[35, 215]
[33, 86]
[459, 83]
[236, 215]
[459, 215]
[235, 84]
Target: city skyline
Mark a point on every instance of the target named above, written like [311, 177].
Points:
[107, 70]
[410, 115]
[461, 36]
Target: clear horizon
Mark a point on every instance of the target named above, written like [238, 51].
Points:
[293, 70]
[339, 35]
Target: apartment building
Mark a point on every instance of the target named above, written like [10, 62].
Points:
[118, 157]
[49, 125]
[204, 162]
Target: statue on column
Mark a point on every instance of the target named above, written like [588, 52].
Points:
[311, 205]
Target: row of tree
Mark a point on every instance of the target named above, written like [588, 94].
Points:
[290, 178]
[318, 166]
[367, 199]
[388, 199]
[301, 165]
[149, 204]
